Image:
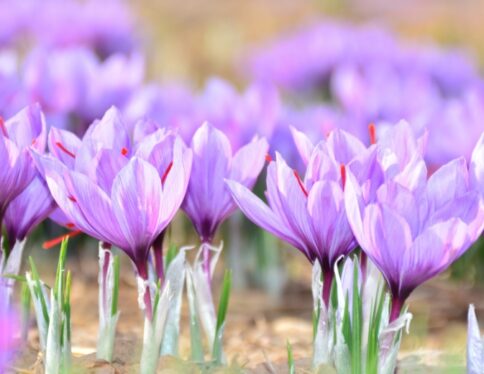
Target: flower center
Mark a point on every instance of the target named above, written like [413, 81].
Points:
[65, 150]
[301, 184]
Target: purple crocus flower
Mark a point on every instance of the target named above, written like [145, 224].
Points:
[412, 234]
[22, 132]
[308, 214]
[120, 193]
[208, 201]
[9, 326]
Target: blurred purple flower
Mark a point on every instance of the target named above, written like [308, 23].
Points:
[121, 193]
[74, 87]
[106, 28]
[18, 135]
[414, 228]
[208, 201]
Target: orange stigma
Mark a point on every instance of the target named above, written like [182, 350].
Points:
[52, 243]
[3, 128]
[167, 171]
[372, 131]
[268, 157]
[124, 151]
[65, 150]
[70, 225]
[301, 184]
[342, 170]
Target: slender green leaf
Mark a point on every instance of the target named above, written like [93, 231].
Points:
[222, 314]
[170, 256]
[38, 290]
[290, 359]
[357, 323]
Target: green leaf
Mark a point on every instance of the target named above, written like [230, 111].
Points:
[170, 256]
[19, 278]
[59, 277]
[357, 323]
[290, 359]
[38, 290]
[114, 301]
[222, 314]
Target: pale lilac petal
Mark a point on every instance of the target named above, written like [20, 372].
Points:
[477, 166]
[344, 147]
[303, 144]
[136, 201]
[64, 145]
[27, 128]
[262, 215]
[448, 182]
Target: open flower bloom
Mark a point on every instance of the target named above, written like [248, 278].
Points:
[412, 234]
[114, 191]
[208, 201]
[308, 214]
[18, 135]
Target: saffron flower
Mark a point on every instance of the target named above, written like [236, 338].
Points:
[309, 214]
[413, 231]
[208, 201]
[120, 193]
[22, 132]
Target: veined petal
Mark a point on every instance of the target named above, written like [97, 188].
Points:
[303, 144]
[448, 182]
[344, 147]
[262, 215]
[248, 162]
[477, 166]
[27, 128]
[136, 201]
[64, 146]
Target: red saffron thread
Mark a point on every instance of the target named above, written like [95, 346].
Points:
[301, 184]
[165, 174]
[124, 151]
[372, 131]
[268, 157]
[52, 243]
[3, 128]
[65, 150]
[342, 170]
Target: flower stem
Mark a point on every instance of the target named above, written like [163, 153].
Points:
[327, 283]
[143, 273]
[397, 305]
[206, 261]
[158, 256]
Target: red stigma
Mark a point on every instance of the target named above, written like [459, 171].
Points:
[3, 128]
[268, 157]
[165, 174]
[342, 170]
[70, 225]
[301, 184]
[72, 198]
[372, 131]
[52, 243]
[124, 151]
[65, 150]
